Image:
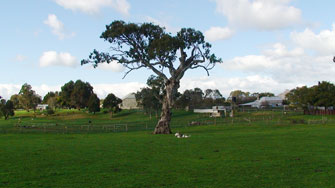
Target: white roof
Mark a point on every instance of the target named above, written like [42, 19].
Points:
[251, 103]
[271, 99]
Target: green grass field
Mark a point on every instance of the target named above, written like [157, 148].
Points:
[260, 149]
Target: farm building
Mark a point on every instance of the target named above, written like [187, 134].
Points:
[129, 102]
[215, 111]
[42, 106]
[265, 101]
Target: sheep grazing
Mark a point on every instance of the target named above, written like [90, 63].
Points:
[179, 135]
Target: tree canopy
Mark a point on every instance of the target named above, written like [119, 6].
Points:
[93, 104]
[6, 108]
[305, 97]
[28, 97]
[111, 102]
[76, 94]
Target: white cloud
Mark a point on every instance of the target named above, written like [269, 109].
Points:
[113, 66]
[285, 66]
[20, 58]
[52, 58]
[218, 33]
[57, 27]
[259, 14]
[94, 6]
[322, 43]
[7, 90]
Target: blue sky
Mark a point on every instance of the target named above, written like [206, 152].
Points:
[266, 45]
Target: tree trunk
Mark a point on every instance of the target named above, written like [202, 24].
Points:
[163, 125]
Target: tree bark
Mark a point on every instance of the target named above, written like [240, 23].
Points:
[163, 125]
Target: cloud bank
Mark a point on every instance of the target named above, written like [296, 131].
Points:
[94, 6]
[57, 27]
[53, 58]
[259, 14]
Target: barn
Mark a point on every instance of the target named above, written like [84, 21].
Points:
[129, 102]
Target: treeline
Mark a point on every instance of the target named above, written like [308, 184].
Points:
[76, 95]
[321, 95]
[150, 98]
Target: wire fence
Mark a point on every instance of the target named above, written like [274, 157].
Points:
[264, 118]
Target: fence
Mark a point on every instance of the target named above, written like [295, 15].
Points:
[319, 112]
[265, 118]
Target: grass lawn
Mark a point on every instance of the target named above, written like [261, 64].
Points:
[214, 156]
[255, 149]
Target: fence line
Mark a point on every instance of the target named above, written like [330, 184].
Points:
[64, 128]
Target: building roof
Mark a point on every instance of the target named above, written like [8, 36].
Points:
[130, 96]
[271, 99]
[256, 102]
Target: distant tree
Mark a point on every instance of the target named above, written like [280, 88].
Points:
[81, 93]
[28, 98]
[111, 102]
[300, 97]
[323, 94]
[48, 96]
[76, 94]
[16, 101]
[149, 46]
[149, 100]
[214, 94]
[66, 92]
[242, 97]
[190, 99]
[6, 108]
[94, 104]
[264, 94]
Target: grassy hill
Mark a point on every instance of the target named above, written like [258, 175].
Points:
[260, 149]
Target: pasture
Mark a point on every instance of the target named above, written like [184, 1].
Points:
[257, 149]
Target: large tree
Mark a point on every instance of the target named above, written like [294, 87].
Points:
[149, 46]
[16, 101]
[66, 92]
[93, 104]
[28, 97]
[112, 102]
[76, 94]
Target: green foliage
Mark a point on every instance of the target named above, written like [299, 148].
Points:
[149, 99]
[76, 94]
[6, 108]
[66, 92]
[48, 96]
[322, 95]
[50, 111]
[111, 103]
[94, 104]
[16, 101]
[190, 98]
[28, 97]
[242, 97]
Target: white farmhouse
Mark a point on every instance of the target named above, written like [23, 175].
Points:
[42, 106]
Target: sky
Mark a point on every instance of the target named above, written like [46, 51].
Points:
[265, 45]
